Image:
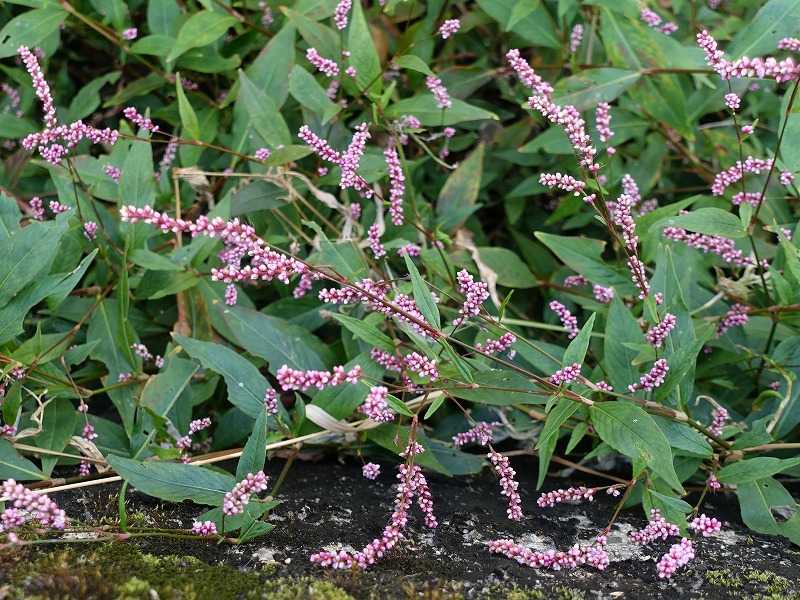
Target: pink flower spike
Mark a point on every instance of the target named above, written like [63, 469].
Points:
[602, 294]
[449, 27]
[566, 375]
[204, 528]
[573, 495]
[235, 500]
[719, 418]
[569, 322]
[678, 556]
[790, 44]
[397, 185]
[786, 178]
[657, 528]
[374, 239]
[90, 230]
[508, 484]
[40, 86]
[475, 293]
[326, 65]
[575, 38]
[130, 34]
[371, 470]
[113, 172]
[658, 333]
[271, 402]
[603, 123]
[262, 154]
[138, 119]
[296, 379]
[732, 101]
[705, 526]
[341, 13]
[501, 344]
[563, 182]
[376, 407]
[736, 317]
[440, 93]
[653, 378]
[481, 434]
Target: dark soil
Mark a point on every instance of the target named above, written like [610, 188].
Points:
[330, 503]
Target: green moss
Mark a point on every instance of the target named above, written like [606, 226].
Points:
[121, 572]
[724, 578]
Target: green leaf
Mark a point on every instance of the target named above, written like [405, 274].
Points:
[521, 10]
[630, 430]
[775, 20]
[621, 329]
[246, 386]
[23, 256]
[305, 89]
[363, 55]
[30, 29]
[413, 63]
[58, 423]
[317, 35]
[460, 191]
[156, 45]
[188, 116]
[163, 17]
[422, 295]
[709, 221]
[14, 466]
[201, 29]
[576, 351]
[535, 27]
[685, 440]
[752, 469]
[152, 261]
[86, 101]
[13, 127]
[137, 183]
[510, 270]
[758, 498]
[255, 450]
[265, 117]
[275, 340]
[563, 410]
[587, 89]
[429, 114]
[161, 392]
[271, 68]
[174, 482]
[365, 331]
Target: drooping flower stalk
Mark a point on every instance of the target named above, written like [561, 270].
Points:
[508, 484]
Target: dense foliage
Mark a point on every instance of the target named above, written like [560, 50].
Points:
[371, 226]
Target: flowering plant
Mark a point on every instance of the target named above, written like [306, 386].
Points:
[359, 225]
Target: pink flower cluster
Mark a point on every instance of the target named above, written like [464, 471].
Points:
[239, 239]
[705, 526]
[138, 119]
[653, 378]
[568, 320]
[731, 175]
[475, 293]
[657, 528]
[572, 495]
[575, 281]
[25, 505]
[563, 182]
[326, 65]
[262, 154]
[348, 161]
[575, 38]
[422, 365]
[409, 250]
[723, 247]
[481, 434]
[654, 20]
[397, 184]
[412, 483]
[296, 379]
[449, 27]
[374, 240]
[113, 172]
[790, 44]
[604, 386]
[439, 91]
[719, 418]
[745, 67]
[602, 294]
[508, 484]
[751, 198]
[678, 556]
[375, 406]
[594, 555]
[713, 483]
[735, 317]
[204, 528]
[602, 121]
[234, 501]
[501, 344]
[658, 333]
[130, 34]
[786, 178]
[371, 470]
[566, 375]
[341, 13]
[732, 101]
[199, 425]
